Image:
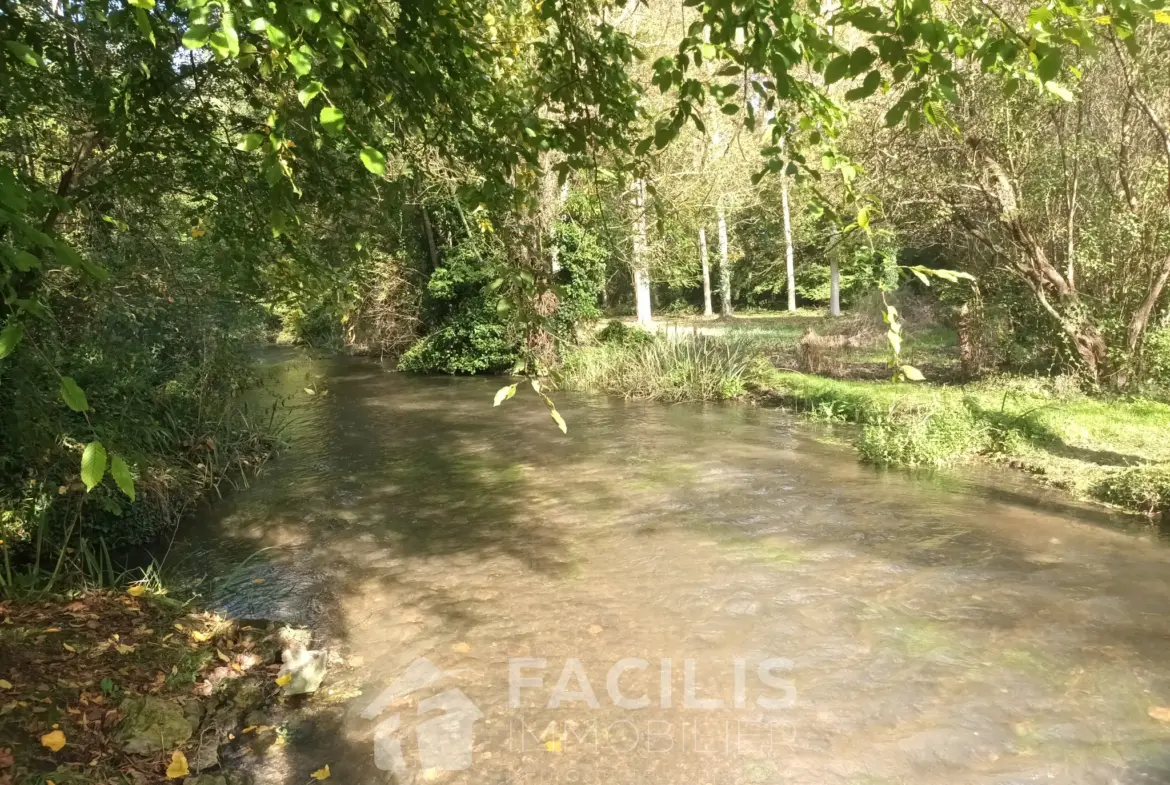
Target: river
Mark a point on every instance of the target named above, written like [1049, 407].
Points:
[683, 594]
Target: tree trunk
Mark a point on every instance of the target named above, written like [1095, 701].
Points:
[788, 255]
[641, 269]
[428, 232]
[834, 289]
[707, 309]
[724, 267]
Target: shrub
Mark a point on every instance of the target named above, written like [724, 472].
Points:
[1142, 488]
[942, 434]
[620, 334]
[580, 279]
[693, 368]
[464, 332]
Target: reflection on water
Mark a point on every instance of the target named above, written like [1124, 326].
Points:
[917, 632]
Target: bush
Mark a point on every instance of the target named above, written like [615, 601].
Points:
[618, 333]
[464, 332]
[1142, 488]
[580, 279]
[693, 368]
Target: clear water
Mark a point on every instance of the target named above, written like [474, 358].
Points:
[935, 630]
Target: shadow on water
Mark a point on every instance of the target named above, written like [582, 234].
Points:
[938, 634]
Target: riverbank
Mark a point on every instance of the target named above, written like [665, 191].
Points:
[1111, 450]
[132, 688]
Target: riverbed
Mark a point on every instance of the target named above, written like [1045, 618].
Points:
[676, 594]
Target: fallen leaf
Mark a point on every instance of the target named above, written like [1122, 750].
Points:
[248, 729]
[5, 685]
[283, 681]
[178, 767]
[53, 629]
[5, 758]
[321, 774]
[257, 580]
[137, 590]
[462, 648]
[222, 656]
[200, 637]
[124, 648]
[54, 740]
[554, 745]
[1160, 713]
[69, 648]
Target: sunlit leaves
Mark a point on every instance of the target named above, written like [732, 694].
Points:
[301, 60]
[196, 36]
[332, 119]
[26, 54]
[911, 374]
[93, 465]
[142, 19]
[250, 142]
[310, 91]
[373, 160]
[504, 393]
[10, 336]
[1059, 90]
[73, 395]
[122, 475]
[276, 36]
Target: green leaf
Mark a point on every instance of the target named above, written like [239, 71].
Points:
[250, 142]
[196, 36]
[301, 62]
[729, 109]
[558, 419]
[22, 260]
[9, 337]
[122, 476]
[146, 5]
[866, 88]
[142, 19]
[333, 119]
[910, 373]
[504, 393]
[374, 161]
[1059, 90]
[73, 395]
[863, 218]
[312, 14]
[310, 91]
[277, 36]
[1049, 66]
[24, 53]
[93, 465]
[837, 68]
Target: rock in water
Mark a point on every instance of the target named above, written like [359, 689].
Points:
[151, 725]
[305, 668]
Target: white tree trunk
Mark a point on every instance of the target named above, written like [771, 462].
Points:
[834, 289]
[641, 269]
[788, 243]
[707, 309]
[724, 267]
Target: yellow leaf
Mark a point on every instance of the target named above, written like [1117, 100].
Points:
[54, 740]
[553, 746]
[124, 648]
[222, 656]
[248, 729]
[178, 767]
[283, 681]
[5, 685]
[321, 774]
[53, 629]
[257, 580]
[137, 590]
[200, 637]
[69, 648]
[1162, 16]
[263, 728]
[1160, 713]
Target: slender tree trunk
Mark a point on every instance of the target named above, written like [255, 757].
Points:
[429, 233]
[834, 289]
[788, 255]
[707, 310]
[641, 269]
[724, 267]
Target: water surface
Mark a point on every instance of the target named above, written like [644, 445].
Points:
[927, 630]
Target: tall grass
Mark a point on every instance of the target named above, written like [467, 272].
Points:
[690, 367]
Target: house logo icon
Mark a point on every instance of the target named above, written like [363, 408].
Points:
[444, 742]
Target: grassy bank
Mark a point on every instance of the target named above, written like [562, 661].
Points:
[1112, 450]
